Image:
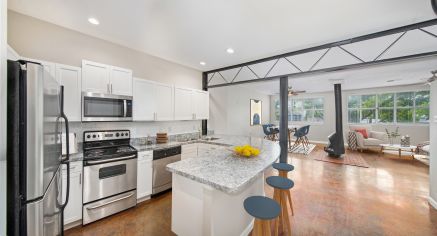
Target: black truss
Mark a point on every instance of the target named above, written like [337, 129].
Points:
[329, 46]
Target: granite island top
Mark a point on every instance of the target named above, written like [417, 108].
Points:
[222, 169]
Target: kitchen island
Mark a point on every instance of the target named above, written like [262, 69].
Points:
[208, 190]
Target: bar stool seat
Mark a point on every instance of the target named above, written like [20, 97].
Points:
[282, 195]
[263, 209]
[283, 167]
[280, 182]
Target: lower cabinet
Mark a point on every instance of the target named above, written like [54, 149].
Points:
[144, 174]
[73, 210]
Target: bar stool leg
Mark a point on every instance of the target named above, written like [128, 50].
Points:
[267, 229]
[290, 202]
[285, 211]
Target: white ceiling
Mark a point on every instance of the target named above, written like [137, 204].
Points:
[190, 31]
[403, 73]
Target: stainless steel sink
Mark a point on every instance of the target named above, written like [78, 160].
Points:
[210, 138]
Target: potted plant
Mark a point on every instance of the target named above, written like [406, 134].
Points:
[392, 135]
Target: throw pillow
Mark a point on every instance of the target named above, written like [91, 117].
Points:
[363, 132]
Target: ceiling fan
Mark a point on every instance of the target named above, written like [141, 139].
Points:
[292, 92]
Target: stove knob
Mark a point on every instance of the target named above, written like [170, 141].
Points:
[122, 134]
[127, 134]
[94, 136]
[88, 136]
[117, 134]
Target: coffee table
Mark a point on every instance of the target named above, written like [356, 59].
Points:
[399, 148]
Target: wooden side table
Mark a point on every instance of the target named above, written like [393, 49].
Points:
[399, 148]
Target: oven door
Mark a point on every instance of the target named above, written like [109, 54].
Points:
[108, 179]
[106, 107]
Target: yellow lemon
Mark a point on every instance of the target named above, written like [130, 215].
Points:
[246, 153]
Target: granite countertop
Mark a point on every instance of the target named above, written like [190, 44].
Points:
[224, 171]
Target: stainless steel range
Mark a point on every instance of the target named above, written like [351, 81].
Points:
[109, 174]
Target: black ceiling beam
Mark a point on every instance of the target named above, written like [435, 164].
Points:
[334, 44]
[334, 69]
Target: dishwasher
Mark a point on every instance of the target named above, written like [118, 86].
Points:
[161, 158]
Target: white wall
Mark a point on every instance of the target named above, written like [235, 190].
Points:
[230, 111]
[433, 150]
[33, 38]
[319, 132]
[3, 48]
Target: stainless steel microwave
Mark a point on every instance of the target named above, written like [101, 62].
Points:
[106, 107]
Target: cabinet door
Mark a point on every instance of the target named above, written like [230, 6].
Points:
[144, 174]
[183, 104]
[70, 77]
[164, 102]
[144, 100]
[121, 81]
[95, 77]
[73, 210]
[201, 104]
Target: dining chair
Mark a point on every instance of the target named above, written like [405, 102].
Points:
[301, 138]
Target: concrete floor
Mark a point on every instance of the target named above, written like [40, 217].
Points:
[389, 198]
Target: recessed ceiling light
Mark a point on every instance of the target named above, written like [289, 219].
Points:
[230, 50]
[202, 63]
[93, 21]
[391, 80]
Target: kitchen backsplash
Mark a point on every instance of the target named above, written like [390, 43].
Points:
[138, 129]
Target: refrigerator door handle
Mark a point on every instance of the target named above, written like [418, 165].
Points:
[65, 161]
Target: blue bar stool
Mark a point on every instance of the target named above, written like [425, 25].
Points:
[263, 209]
[283, 168]
[281, 194]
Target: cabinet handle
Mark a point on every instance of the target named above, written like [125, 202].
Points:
[80, 178]
[107, 88]
[111, 87]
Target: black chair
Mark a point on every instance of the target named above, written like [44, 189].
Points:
[270, 132]
[301, 138]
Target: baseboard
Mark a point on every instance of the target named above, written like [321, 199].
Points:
[143, 199]
[432, 202]
[247, 230]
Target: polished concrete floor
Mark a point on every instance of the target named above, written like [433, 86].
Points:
[389, 198]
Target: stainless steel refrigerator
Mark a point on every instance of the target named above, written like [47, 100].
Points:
[35, 122]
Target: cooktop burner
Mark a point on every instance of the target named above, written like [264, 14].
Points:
[109, 152]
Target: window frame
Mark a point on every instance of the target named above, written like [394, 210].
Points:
[395, 107]
[290, 109]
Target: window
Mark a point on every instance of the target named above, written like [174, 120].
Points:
[403, 107]
[304, 110]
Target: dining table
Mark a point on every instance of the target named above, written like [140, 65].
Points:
[291, 129]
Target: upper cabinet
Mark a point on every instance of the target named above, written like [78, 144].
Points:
[183, 104]
[191, 104]
[70, 78]
[201, 104]
[102, 78]
[152, 101]
[144, 105]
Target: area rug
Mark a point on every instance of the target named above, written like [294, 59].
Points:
[352, 159]
[302, 149]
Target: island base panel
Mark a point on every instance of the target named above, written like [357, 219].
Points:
[200, 210]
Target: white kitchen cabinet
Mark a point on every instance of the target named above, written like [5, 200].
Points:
[73, 210]
[189, 151]
[95, 77]
[70, 78]
[201, 104]
[144, 103]
[183, 104]
[121, 81]
[165, 103]
[152, 101]
[144, 174]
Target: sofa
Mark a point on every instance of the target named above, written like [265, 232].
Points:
[373, 140]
